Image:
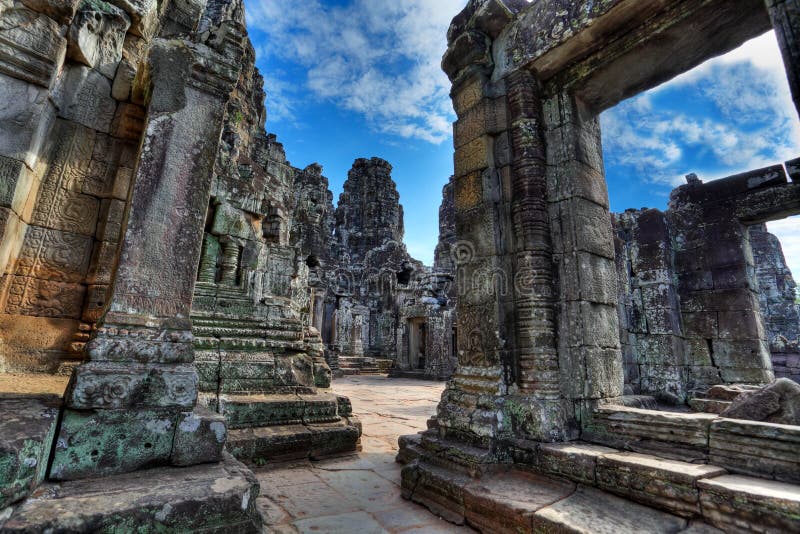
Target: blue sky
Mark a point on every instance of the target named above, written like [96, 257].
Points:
[361, 78]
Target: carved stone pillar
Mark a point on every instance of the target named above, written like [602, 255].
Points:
[140, 382]
[230, 262]
[785, 15]
[533, 262]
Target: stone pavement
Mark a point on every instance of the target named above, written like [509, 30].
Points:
[358, 493]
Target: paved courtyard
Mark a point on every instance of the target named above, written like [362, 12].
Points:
[359, 493]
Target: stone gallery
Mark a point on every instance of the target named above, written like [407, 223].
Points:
[633, 372]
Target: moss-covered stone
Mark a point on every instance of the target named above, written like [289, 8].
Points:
[106, 442]
[27, 428]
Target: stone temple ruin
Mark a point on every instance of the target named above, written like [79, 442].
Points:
[608, 373]
[377, 308]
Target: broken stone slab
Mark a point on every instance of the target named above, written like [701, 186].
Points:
[123, 81]
[666, 484]
[778, 403]
[60, 11]
[592, 511]
[96, 36]
[736, 503]
[25, 120]
[27, 428]
[207, 498]
[83, 95]
[754, 448]
[709, 405]
[793, 168]
[506, 502]
[33, 45]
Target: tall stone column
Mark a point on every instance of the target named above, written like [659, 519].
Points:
[472, 399]
[590, 359]
[785, 16]
[533, 261]
[127, 406]
[141, 354]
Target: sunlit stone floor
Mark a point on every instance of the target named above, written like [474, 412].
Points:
[358, 494]
[361, 493]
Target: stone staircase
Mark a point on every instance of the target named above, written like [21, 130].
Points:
[636, 470]
[364, 365]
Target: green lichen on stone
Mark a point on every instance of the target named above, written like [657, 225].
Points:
[108, 442]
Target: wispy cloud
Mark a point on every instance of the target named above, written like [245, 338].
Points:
[377, 59]
[749, 122]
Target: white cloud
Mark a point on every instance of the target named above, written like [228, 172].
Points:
[755, 125]
[788, 232]
[378, 59]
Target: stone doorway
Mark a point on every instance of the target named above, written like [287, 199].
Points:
[417, 342]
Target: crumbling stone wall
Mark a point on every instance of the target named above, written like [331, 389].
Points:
[251, 308]
[705, 294]
[777, 294]
[69, 128]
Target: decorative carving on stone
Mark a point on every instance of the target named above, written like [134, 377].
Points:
[96, 36]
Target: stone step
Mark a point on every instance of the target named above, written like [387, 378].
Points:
[245, 411]
[765, 450]
[468, 459]
[515, 501]
[753, 448]
[636, 493]
[27, 430]
[290, 442]
[673, 486]
[737, 503]
[669, 485]
[679, 436]
[206, 498]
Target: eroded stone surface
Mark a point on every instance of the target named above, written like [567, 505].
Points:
[778, 403]
[27, 429]
[170, 497]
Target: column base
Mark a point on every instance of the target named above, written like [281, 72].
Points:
[166, 499]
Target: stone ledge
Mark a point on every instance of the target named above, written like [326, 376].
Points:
[737, 503]
[666, 484]
[759, 449]
[210, 498]
[679, 436]
[27, 429]
[290, 442]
